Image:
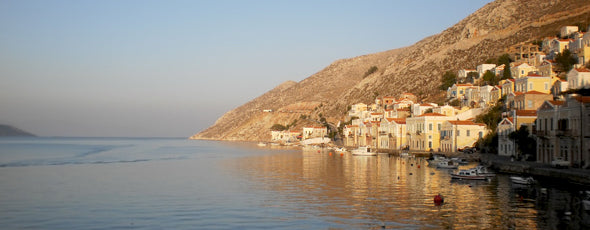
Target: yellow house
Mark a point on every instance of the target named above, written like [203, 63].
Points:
[460, 134]
[530, 100]
[424, 131]
[458, 90]
[534, 82]
[521, 70]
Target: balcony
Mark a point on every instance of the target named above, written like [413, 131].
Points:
[541, 133]
[563, 132]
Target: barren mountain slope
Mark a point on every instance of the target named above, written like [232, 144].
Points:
[417, 69]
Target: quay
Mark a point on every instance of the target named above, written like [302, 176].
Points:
[504, 164]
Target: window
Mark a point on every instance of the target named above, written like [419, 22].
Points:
[458, 132]
[468, 132]
[430, 126]
[530, 104]
[439, 126]
[530, 86]
[546, 86]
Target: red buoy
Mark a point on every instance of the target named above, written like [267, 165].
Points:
[438, 200]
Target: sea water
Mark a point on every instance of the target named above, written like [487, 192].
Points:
[155, 183]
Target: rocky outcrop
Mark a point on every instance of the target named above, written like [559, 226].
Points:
[416, 69]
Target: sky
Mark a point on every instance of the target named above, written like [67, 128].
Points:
[142, 68]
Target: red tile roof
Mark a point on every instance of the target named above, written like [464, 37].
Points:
[432, 115]
[526, 113]
[535, 92]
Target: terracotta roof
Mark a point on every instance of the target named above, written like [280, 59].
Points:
[534, 75]
[582, 69]
[424, 104]
[432, 115]
[376, 113]
[468, 122]
[464, 84]
[583, 99]
[556, 102]
[535, 92]
[526, 113]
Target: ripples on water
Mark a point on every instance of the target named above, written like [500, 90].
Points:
[90, 183]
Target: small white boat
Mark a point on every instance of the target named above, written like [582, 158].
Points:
[341, 150]
[435, 159]
[447, 164]
[484, 171]
[363, 151]
[406, 154]
[261, 144]
[460, 161]
[468, 174]
[522, 180]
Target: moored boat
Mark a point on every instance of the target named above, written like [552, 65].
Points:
[468, 174]
[447, 164]
[363, 151]
[484, 171]
[522, 180]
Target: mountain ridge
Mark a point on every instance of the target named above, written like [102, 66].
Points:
[417, 68]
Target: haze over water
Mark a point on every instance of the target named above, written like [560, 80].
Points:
[111, 183]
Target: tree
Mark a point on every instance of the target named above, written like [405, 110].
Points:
[524, 142]
[278, 127]
[505, 60]
[565, 61]
[471, 76]
[447, 80]
[370, 71]
[492, 117]
[490, 78]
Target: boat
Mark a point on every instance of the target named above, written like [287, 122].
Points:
[447, 164]
[340, 150]
[435, 159]
[460, 161]
[363, 151]
[484, 171]
[261, 144]
[522, 180]
[468, 174]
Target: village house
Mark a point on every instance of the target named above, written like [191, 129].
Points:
[506, 146]
[419, 109]
[512, 121]
[356, 109]
[408, 96]
[563, 130]
[521, 70]
[392, 133]
[310, 132]
[578, 78]
[424, 131]
[547, 68]
[524, 52]
[457, 91]
[566, 31]
[446, 110]
[558, 87]
[499, 70]
[507, 86]
[460, 134]
[530, 100]
[495, 95]
[534, 82]
[285, 136]
[463, 73]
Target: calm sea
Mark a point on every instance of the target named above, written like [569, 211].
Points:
[127, 183]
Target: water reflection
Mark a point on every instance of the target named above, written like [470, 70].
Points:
[372, 192]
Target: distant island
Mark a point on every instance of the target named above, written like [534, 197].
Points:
[9, 131]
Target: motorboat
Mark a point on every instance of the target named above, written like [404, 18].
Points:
[447, 164]
[522, 180]
[460, 161]
[261, 144]
[468, 174]
[340, 150]
[435, 159]
[363, 151]
[484, 171]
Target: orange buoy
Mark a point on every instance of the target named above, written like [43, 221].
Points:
[341, 154]
[418, 166]
[330, 153]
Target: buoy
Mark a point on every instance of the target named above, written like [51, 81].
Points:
[438, 199]
[411, 164]
[418, 166]
[410, 174]
[341, 154]
[330, 153]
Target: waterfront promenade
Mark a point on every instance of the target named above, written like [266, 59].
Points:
[505, 165]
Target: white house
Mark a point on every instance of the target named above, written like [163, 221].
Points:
[578, 78]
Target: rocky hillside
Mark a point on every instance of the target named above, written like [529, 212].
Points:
[417, 69]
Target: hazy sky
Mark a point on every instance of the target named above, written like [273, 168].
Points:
[171, 68]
